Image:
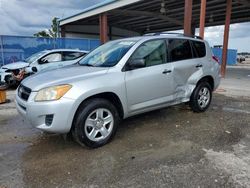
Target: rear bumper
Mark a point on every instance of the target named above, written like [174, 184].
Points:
[37, 113]
[217, 81]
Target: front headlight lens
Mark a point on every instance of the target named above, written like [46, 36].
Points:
[52, 93]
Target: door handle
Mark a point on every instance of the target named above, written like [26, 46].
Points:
[199, 66]
[166, 71]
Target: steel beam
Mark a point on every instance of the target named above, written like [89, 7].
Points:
[188, 17]
[226, 36]
[202, 17]
[147, 14]
[103, 24]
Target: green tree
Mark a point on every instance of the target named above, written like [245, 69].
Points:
[51, 32]
[42, 34]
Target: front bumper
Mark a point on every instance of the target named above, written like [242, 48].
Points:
[37, 113]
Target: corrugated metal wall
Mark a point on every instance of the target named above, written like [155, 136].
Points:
[231, 55]
[16, 48]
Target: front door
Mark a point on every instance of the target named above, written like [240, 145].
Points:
[50, 61]
[152, 85]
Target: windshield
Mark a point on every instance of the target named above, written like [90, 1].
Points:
[109, 54]
[34, 56]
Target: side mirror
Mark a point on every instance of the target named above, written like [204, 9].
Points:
[136, 63]
[34, 69]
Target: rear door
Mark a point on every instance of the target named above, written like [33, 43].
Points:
[199, 53]
[150, 86]
[184, 65]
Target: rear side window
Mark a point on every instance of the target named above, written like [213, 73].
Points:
[199, 48]
[67, 56]
[179, 49]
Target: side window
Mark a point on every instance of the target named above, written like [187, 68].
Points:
[53, 57]
[199, 48]
[152, 52]
[179, 49]
[67, 56]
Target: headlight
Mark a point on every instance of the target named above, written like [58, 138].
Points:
[52, 93]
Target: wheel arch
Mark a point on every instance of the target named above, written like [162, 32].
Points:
[110, 96]
[209, 79]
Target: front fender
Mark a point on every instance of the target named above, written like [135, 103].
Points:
[89, 94]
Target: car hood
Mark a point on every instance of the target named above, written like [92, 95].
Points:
[65, 75]
[16, 65]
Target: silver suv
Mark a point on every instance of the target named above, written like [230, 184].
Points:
[117, 80]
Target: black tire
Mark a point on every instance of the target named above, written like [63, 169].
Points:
[194, 99]
[79, 130]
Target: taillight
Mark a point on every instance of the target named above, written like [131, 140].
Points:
[216, 59]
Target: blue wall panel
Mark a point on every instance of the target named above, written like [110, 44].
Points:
[231, 55]
[16, 48]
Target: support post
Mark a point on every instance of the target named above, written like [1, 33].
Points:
[193, 30]
[188, 17]
[226, 36]
[62, 31]
[202, 17]
[103, 23]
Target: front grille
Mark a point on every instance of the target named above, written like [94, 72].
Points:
[24, 92]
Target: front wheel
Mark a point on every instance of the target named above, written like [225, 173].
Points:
[96, 123]
[201, 97]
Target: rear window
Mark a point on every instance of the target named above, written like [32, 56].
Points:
[199, 48]
[179, 49]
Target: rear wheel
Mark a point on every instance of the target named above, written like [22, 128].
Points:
[201, 97]
[96, 123]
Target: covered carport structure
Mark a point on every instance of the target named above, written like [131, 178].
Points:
[123, 18]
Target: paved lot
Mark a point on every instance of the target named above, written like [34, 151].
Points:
[172, 147]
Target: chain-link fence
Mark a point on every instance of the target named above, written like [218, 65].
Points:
[16, 48]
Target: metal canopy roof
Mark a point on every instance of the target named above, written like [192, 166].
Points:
[144, 16]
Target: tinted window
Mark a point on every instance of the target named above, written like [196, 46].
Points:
[153, 52]
[179, 49]
[199, 48]
[67, 56]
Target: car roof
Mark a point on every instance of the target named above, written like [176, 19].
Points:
[66, 50]
[164, 35]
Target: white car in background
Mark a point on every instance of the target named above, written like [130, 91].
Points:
[41, 61]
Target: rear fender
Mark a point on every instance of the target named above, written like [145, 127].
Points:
[193, 80]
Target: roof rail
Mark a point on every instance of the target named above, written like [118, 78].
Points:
[172, 33]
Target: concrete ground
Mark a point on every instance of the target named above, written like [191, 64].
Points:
[172, 147]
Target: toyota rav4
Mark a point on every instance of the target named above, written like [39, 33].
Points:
[117, 80]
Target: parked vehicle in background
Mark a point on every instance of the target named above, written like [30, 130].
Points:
[117, 80]
[240, 58]
[41, 61]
